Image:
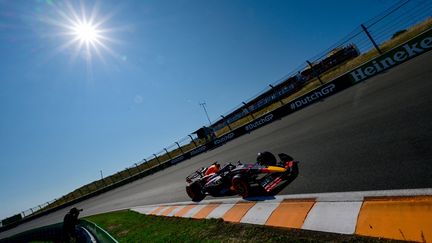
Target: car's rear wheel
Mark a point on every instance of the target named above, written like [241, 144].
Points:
[241, 187]
[194, 192]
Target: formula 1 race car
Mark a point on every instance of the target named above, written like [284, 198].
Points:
[241, 178]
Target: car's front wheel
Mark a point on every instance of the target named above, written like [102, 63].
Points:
[241, 187]
[194, 191]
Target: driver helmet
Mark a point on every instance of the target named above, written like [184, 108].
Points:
[266, 158]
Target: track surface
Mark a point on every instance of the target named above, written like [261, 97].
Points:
[376, 135]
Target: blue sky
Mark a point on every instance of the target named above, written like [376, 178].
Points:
[64, 118]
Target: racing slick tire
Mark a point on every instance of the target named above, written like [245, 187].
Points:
[240, 186]
[194, 192]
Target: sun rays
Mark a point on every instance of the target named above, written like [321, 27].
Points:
[83, 30]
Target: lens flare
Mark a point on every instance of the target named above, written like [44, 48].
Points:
[86, 32]
[83, 28]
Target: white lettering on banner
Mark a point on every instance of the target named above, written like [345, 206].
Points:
[176, 160]
[224, 138]
[426, 43]
[400, 56]
[257, 105]
[413, 50]
[197, 151]
[260, 122]
[381, 64]
[310, 98]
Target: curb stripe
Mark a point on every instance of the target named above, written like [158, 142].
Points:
[290, 213]
[144, 210]
[156, 211]
[259, 213]
[175, 211]
[167, 211]
[203, 213]
[184, 210]
[398, 218]
[194, 210]
[162, 210]
[236, 213]
[337, 217]
[220, 211]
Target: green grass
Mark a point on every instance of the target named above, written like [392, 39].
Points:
[128, 226]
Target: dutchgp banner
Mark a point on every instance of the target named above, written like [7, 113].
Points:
[412, 48]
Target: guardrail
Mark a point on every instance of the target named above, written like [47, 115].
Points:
[54, 233]
[100, 234]
[371, 39]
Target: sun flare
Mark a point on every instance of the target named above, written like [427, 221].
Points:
[86, 32]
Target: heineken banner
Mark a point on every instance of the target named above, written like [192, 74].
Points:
[394, 57]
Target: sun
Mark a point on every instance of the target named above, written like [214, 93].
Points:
[86, 33]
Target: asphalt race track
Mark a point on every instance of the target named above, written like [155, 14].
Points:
[376, 135]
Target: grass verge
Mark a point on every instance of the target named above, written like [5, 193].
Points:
[129, 226]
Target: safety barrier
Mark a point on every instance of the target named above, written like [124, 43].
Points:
[87, 231]
[100, 234]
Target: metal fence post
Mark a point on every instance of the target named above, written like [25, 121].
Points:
[273, 88]
[169, 156]
[192, 140]
[316, 74]
[128, 171]
[251, 113]
[226, 123]
[181, 150]
[157, 158]
[371, 39]
[136, 165]
[146, 162]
